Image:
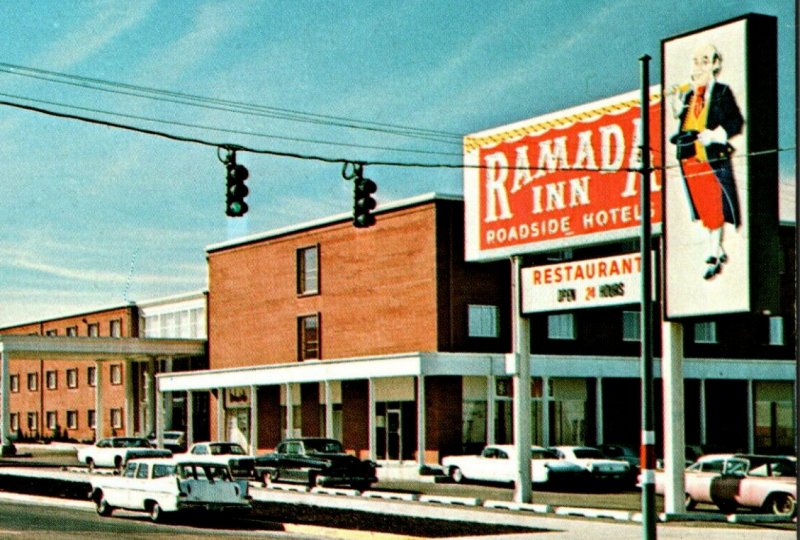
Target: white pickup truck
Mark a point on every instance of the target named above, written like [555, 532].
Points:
[162, 486]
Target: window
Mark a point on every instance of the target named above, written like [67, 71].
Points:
[116, 328]
[51, 333]
[561, 326]
[705, 332]
[93, 329]
[33, 421]
[14, 422]
[51, 378]
[308, 337]
[483, 321]
[72, 378]
[91, 419]
[91, 376]
[116, 374]
[143, 471]
[72, 331]
[52, 420]
[116, 418]
[72, 419]
[776, 331]
[631, 326]
[308, 270]
[13, 383]
[33, 382]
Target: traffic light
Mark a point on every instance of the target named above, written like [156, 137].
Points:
[363, 202]
[236, 191]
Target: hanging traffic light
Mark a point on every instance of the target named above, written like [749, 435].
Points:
[236, 190]
[363, 203]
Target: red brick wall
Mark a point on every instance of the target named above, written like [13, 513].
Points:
[355, 418]
[444, 417]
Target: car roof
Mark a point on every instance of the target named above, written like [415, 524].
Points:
[164, 460]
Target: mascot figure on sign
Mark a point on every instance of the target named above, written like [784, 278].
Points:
[709, 117]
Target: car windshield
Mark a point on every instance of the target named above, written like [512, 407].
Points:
[542, 454]
[132, 443]
[588, 453]
[323, 446]
[225, 449]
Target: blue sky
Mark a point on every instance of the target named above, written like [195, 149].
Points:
[94, 216]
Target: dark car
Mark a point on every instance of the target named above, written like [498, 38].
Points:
[315, 461]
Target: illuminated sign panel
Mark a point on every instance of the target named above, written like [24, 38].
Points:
[720, 147]
[565, 179]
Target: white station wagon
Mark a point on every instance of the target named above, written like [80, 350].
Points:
[161, 486]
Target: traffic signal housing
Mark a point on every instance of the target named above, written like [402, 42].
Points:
[236, 190]
[363, 203]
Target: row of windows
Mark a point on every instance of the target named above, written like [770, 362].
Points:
[51, 378]
[562, 326]
[51, 420]
[187, 323]
[92, 330]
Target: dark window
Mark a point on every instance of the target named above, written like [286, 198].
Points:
[308, 330]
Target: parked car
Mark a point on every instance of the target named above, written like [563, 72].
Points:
[116, 451]
[595, 463]
[174, 441]
[497, 463]
[767, 483]
[623, 452]
[315, 461]
[228, 453]
[161, 486]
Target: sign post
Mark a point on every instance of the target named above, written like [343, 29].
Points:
[522, 389]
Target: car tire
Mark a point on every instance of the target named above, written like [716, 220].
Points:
[101, 505]
[156, 513]
[118, 465]
[689, 503]
[456, 475]
[314, 480]
[267, 478]
[726, 507]
[360, 486]
[781, 504]
[90, 464]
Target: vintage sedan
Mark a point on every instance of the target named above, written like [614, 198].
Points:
[163, 486]
[766, 483]
[595, 463]
[315, 461]
[116, 451]
[229, 453]
[497, 463]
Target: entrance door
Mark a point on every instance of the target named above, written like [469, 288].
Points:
[394, 434]
[239, 427]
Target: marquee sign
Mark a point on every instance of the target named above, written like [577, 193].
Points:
[608, 281]
[564, 179]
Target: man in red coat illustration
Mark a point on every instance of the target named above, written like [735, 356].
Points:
[708, 117]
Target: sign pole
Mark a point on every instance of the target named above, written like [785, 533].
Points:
[522, 388]
[648, 454]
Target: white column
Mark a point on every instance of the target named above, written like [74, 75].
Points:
[98, 401]
[129, 404]
[221, 424]
[150, 395]
[522, 389]
[751, 421]
[289, 410]
[703, 426]
[598, 414]
[5, 403]
[421, 421]
[189, 418]
[373, 428]
[169, 401]
[545, 411]
[328, 392]
[491, 408]
[674, 417]
[253, 420]
[160, 410]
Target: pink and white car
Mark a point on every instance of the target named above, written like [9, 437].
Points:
[766, 483]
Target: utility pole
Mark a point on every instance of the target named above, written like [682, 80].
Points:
[648, 454]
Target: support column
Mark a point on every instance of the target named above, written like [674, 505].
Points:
[522, 389]
[98, 401]
[150, 396]
[221, 424]
[6, 447]
[546, 411]
[598, 411]
[703, 423]
[168, 403]
[289, 411]
[751, 421]
[189, 418]
[328, 392]
[421, 422]
[491, 408]
[129, 408]
[253, 420]
[674, 417]
[373, 427]
[160, 402]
